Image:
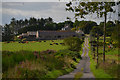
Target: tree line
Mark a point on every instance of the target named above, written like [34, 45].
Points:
[17, 27]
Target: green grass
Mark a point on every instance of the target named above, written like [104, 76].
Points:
[109, 51]
[81, 51]
[10, 59]
[112, 52]
[46, 66]
[1, 76]
[56, 73]
[78, 75]
[98, 73]
[85, 52]
[33, 46]
[19, 60]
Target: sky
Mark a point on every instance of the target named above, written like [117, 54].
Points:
[55, 10]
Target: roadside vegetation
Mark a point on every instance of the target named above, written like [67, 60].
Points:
[109, 69]
[78, 75]
[43, 64]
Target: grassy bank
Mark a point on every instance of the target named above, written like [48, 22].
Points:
[42, 65]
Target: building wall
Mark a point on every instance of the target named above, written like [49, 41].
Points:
[52, 35]
[32, 32]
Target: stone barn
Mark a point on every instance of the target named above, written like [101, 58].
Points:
[53, 35]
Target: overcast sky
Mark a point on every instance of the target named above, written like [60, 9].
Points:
[56, 10]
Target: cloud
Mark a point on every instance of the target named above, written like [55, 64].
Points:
[36, 0]
[0, 13]
[12, 4]
[54, 10]
[16, 12]
[41, 9]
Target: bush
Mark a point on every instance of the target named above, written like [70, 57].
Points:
[48, 52]
[73, 43]
[69, 53]
[7, 37]
[10, 59]
[24, 64]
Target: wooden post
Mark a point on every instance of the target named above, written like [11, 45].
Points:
[105, 15]
[97, 45]
[94, 50]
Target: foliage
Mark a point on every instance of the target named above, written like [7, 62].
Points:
[108, 69]
[48, 52]
[110, 26]
[10, 59]
[85, 26]
[78, 75]
[113, 52]
[84, 8]
[115, 33]
[95, 30]
[7, 35]
[98, 73]
[74, 43]
[67, 52]
[24, 64]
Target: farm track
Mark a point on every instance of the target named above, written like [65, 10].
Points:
[83, 64]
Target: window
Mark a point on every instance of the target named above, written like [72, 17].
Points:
[59, 36]
[74, 35]
[40, 36]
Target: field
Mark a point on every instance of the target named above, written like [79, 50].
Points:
[33, 59]
[33, 46]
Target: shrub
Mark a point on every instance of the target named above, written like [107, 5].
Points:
[69, 53]
[78, 75]
[73, 43]
[23, 64]
[10, 59]
[48, 52]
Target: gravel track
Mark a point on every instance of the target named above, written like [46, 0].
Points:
[84, 64]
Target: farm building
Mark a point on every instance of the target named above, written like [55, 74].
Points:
[51, 35]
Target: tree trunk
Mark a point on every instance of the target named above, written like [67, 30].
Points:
[105, 16]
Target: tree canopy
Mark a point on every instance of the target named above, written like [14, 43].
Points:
[85, 26]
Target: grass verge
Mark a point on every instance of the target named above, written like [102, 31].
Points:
[78, 75]
[98, 73]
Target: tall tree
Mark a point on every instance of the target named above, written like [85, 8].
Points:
[13, 26]
[7, 34]
[100, 8]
